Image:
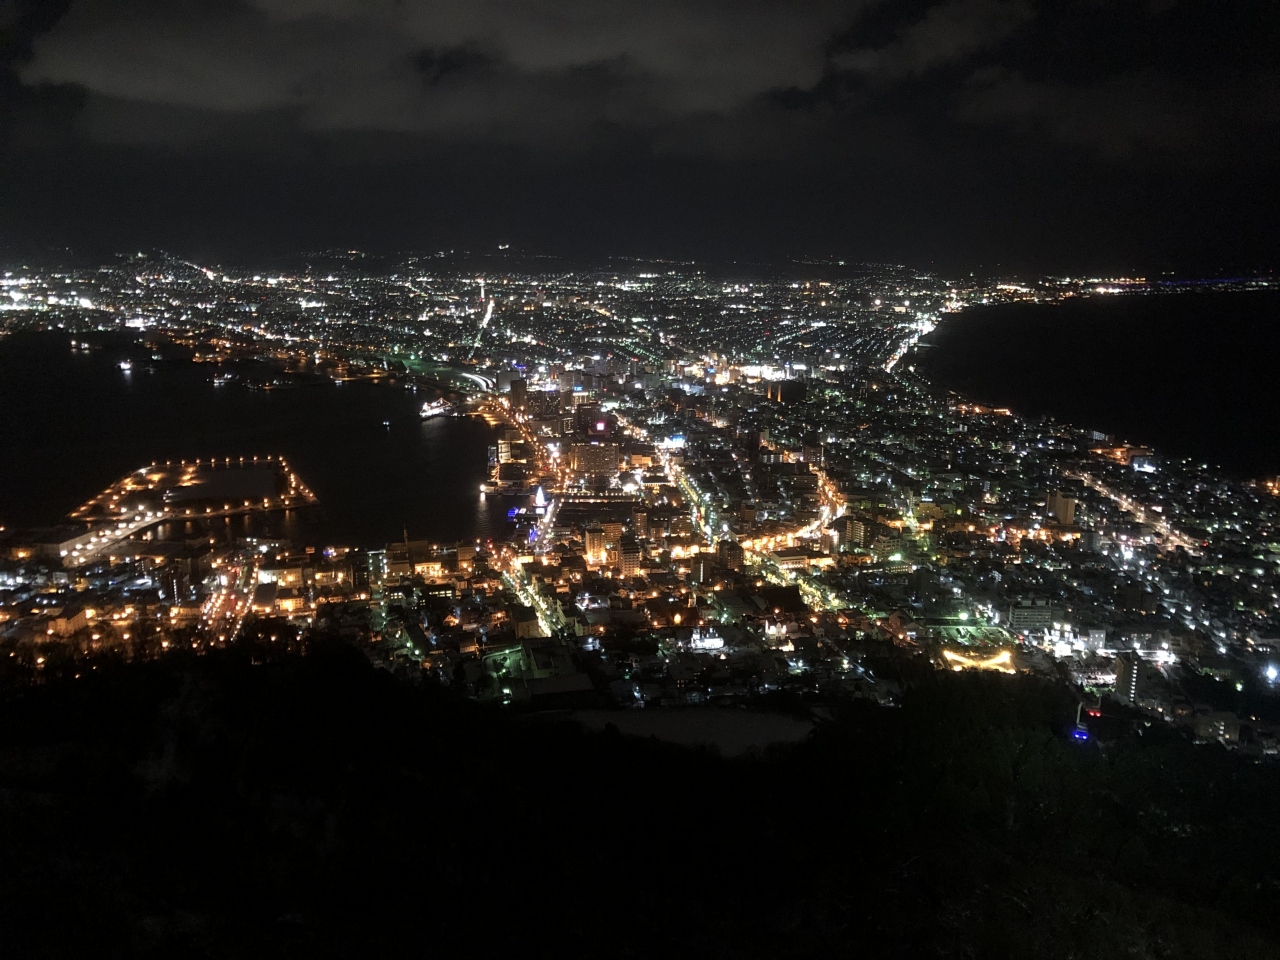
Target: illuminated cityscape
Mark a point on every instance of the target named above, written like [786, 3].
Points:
[714, 490]
[682, 479]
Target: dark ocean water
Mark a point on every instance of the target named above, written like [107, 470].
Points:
[1192, 374]
[71, 423]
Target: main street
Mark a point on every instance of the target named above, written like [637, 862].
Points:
[1171, 534]
[229, 603]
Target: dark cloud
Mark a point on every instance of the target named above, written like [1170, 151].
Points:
[360, 64]
[907, 128]
[945, 34]
[451, 63]
[1139, 117]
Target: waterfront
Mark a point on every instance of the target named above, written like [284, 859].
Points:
[1190, 374]
[74, 422]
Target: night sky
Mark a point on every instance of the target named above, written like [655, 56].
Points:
[1097, 135]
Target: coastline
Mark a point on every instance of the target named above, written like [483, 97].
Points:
[1159, 369]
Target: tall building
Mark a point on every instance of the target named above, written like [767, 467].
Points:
[1127, 677]
[730, 554]
[1029, 616]
[629, 557]
[1135, 678]
[519, 394]
[701, 568]
[595, 458]
[1061, 508]
[854, 535]
[596, 546]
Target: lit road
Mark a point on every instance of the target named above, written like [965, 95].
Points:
[1140, 513]
[488, 315]
[113, 522]
[549, 618]
[100, 540]
[226, 608]
[816, 594]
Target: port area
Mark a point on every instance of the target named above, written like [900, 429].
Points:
[175, 490]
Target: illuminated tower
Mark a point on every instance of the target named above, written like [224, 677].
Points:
[596, 550]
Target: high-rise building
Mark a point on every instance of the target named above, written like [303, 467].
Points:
[1135, 678]
[1030, 616]
[597, 549]
[854, 535]
[594, 459]
[629, 556]
[730, 554]
[519, 394]
[701, 568]
[1061, 508]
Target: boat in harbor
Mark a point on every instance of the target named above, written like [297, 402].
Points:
[436, 408]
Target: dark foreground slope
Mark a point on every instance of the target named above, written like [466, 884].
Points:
[244, 804]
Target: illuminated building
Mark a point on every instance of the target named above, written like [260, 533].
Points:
[852, 532]
[594, 459]
[792, 559]
[629, 557]
[597, 551]
[1030, 616]
[1061, 508]
[1135, 678]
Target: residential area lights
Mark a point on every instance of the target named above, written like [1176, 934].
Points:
[757, 460]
